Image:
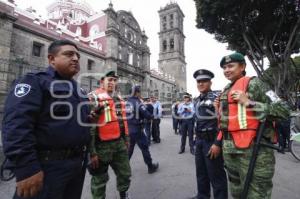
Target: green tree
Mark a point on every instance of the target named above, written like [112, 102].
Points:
[263, 30]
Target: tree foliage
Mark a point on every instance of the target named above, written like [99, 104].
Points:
[260, 29]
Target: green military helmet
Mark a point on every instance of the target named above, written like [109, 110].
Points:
[187, 95]
[234, 57]
[111, 73]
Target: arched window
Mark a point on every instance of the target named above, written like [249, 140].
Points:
[164, 45]
[130, 58]
[130, 36]
[172, 43]
[171, 20]
[164, 26]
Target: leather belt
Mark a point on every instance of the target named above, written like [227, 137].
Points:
[209, 136]
[61, 154]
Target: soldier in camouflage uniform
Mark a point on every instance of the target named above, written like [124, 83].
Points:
[109, 140]
[265, 105]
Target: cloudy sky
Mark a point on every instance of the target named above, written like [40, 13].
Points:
[201, 50]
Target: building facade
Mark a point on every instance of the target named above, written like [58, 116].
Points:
[107, 40]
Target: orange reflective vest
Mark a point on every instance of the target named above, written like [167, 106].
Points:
[108, 123]
[242, 123]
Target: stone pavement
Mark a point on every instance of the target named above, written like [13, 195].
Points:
[176, 176]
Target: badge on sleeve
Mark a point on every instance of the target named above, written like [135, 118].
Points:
[129, 108]
[22, 89]
[273, 96]
[143, 107]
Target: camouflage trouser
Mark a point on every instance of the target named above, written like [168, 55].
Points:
[237, 163]
[112, 154]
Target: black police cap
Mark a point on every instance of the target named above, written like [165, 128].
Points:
[186, 95]
[203, 74]
[135, 89]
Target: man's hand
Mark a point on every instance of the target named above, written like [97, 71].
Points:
[94, 114]
[127, 144]
[94, 161]
[214, 151]
[217, 103]
[241, 97]
[30, 187]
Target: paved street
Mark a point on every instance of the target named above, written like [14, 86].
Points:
[176, 176]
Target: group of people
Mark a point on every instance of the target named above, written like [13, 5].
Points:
[183, 121]
[51, 128]
[225, 126]
[152, 126]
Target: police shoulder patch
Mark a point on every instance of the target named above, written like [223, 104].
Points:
[22, 90]
[143, 107]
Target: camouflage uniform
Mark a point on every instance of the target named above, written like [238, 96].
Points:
[111, 153]
[237, 160]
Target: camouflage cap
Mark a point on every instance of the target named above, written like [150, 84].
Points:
[234, 57]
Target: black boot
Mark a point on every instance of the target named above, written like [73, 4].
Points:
[192, 151]
[181, 151]
[124, 195]
[153, 168]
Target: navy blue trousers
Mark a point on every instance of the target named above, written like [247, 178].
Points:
[63, 179]
[284, 132]
[209, 172]
[156, 130]
[187, 129]
[175, 124]
[141, 140]
[147, 127]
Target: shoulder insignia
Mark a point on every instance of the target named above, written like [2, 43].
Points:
[22, 89]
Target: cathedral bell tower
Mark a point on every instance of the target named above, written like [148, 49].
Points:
[171, 41]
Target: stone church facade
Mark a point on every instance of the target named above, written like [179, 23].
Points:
[107, 40]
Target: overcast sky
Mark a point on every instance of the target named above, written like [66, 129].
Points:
[201, 49]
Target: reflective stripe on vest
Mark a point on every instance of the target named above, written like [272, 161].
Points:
[242, 116]
[108, 123]
[107, 112]
[242, 123]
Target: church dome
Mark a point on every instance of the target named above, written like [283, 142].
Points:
[76, 11]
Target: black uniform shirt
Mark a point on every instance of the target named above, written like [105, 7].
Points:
[42, 112]
[205, 115]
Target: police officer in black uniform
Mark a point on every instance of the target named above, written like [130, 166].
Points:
[43, 138]
[136, 114]
[209, 169]
[148, 122]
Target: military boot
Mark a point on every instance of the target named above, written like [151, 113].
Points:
[153, 168]
[124, 195]
[181, 151]
[192, 150]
